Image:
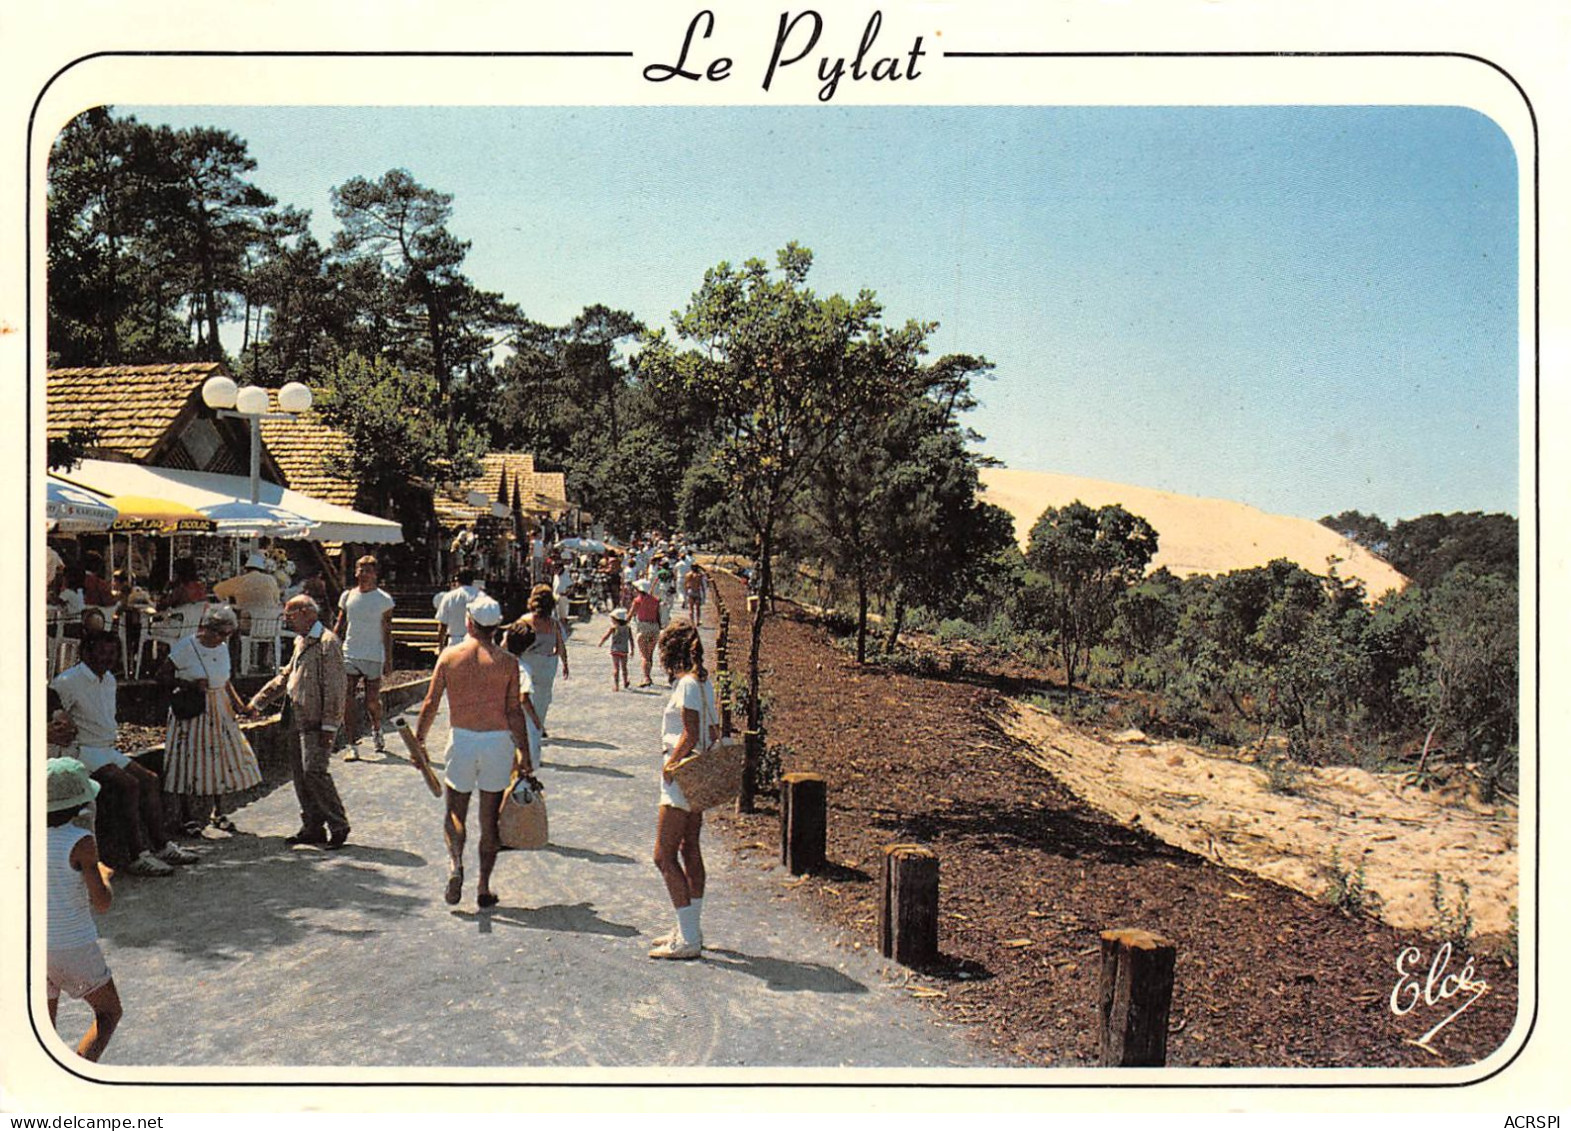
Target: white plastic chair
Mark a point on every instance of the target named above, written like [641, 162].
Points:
[265, 632]
[63, 653]
[166, 630]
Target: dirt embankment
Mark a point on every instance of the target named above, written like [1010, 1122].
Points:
[1317, 829]
[1031, 874]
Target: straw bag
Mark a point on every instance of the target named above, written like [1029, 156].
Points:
[711, 776]
[522, 822]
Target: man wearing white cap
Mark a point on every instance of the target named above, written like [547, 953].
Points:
[488, 733]
[255, 589]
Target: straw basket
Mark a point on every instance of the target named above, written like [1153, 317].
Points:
[522, 822]
[713, 777]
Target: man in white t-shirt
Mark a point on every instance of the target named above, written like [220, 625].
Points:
[452, 607]
[133, 799]
[365, 625]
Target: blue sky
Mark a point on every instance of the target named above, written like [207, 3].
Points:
[1309, 309]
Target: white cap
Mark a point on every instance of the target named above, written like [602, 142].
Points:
[485, 612]
[257, 560]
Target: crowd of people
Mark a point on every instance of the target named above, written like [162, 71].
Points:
[496, 675]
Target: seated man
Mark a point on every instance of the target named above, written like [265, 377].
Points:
[131, 800]
[254, 589]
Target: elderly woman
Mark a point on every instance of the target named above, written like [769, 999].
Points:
[545, 646]
[689, 723]
[206, 756]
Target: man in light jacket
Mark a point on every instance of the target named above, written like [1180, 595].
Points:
[314, 679]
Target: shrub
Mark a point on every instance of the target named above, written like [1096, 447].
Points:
[952, 630]
[1453, 921]
[1283, 775]
[771, 764]
[1348, 891]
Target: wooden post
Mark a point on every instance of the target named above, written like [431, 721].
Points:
[908, 905]
[804, 821]
[1137, 996]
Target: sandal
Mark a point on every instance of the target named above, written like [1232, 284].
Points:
[487, 899]
[222, 823]
[193, 828]
[455, 887]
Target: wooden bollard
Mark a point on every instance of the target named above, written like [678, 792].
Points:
[804, 821]
[1136, 999]
[908, 905]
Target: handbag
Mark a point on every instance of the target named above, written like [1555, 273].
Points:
[522, 822]
[713, 775]
[187, 701]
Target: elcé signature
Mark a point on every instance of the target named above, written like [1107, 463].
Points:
[1413, 987]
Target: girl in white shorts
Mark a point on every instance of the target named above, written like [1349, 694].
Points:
[690, 722]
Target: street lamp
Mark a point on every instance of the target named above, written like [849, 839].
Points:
[250, 404]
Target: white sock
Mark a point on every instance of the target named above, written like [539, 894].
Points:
[687, 925]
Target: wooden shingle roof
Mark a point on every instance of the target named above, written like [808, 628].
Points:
[541, 491]
[133, 407]
[300, 448]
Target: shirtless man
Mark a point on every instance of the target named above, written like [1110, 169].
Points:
[489, 734]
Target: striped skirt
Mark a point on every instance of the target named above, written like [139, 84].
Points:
[208, 755]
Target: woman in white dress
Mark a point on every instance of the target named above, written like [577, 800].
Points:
[545, 650]
[207, 757]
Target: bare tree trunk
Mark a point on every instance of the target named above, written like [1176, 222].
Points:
[861, 616]
[895, 624]
[745, 802]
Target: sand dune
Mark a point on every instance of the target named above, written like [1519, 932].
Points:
[1194, 535]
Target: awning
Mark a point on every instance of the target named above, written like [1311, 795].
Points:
[68, 508]
[205, 488]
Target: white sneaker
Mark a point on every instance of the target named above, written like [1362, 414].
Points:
[149, 865]
[672, 936]
[676, 949]
[172, 853]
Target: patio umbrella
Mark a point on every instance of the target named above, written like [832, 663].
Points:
[587, 545]
[147, 515]
[239, 518]
[72, 509]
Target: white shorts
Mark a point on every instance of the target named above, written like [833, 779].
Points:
[479, 759]
[77, 970]
[671, 794]
[366, 669]
[96, 758]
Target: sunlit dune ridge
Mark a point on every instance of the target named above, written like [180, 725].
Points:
[1194, 535]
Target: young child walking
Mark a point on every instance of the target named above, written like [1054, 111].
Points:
[77, 885]
[621, 638]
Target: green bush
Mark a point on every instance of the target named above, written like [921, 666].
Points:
[953, 630]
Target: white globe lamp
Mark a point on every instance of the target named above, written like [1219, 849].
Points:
[294, 397]
[251, 401]
[218, 392]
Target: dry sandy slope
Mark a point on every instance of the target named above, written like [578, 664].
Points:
[1223, 810]
[1194, 535]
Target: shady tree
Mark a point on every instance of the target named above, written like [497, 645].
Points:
[783, 372]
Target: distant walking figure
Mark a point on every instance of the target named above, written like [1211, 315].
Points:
[647, 622]
[621, 638]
